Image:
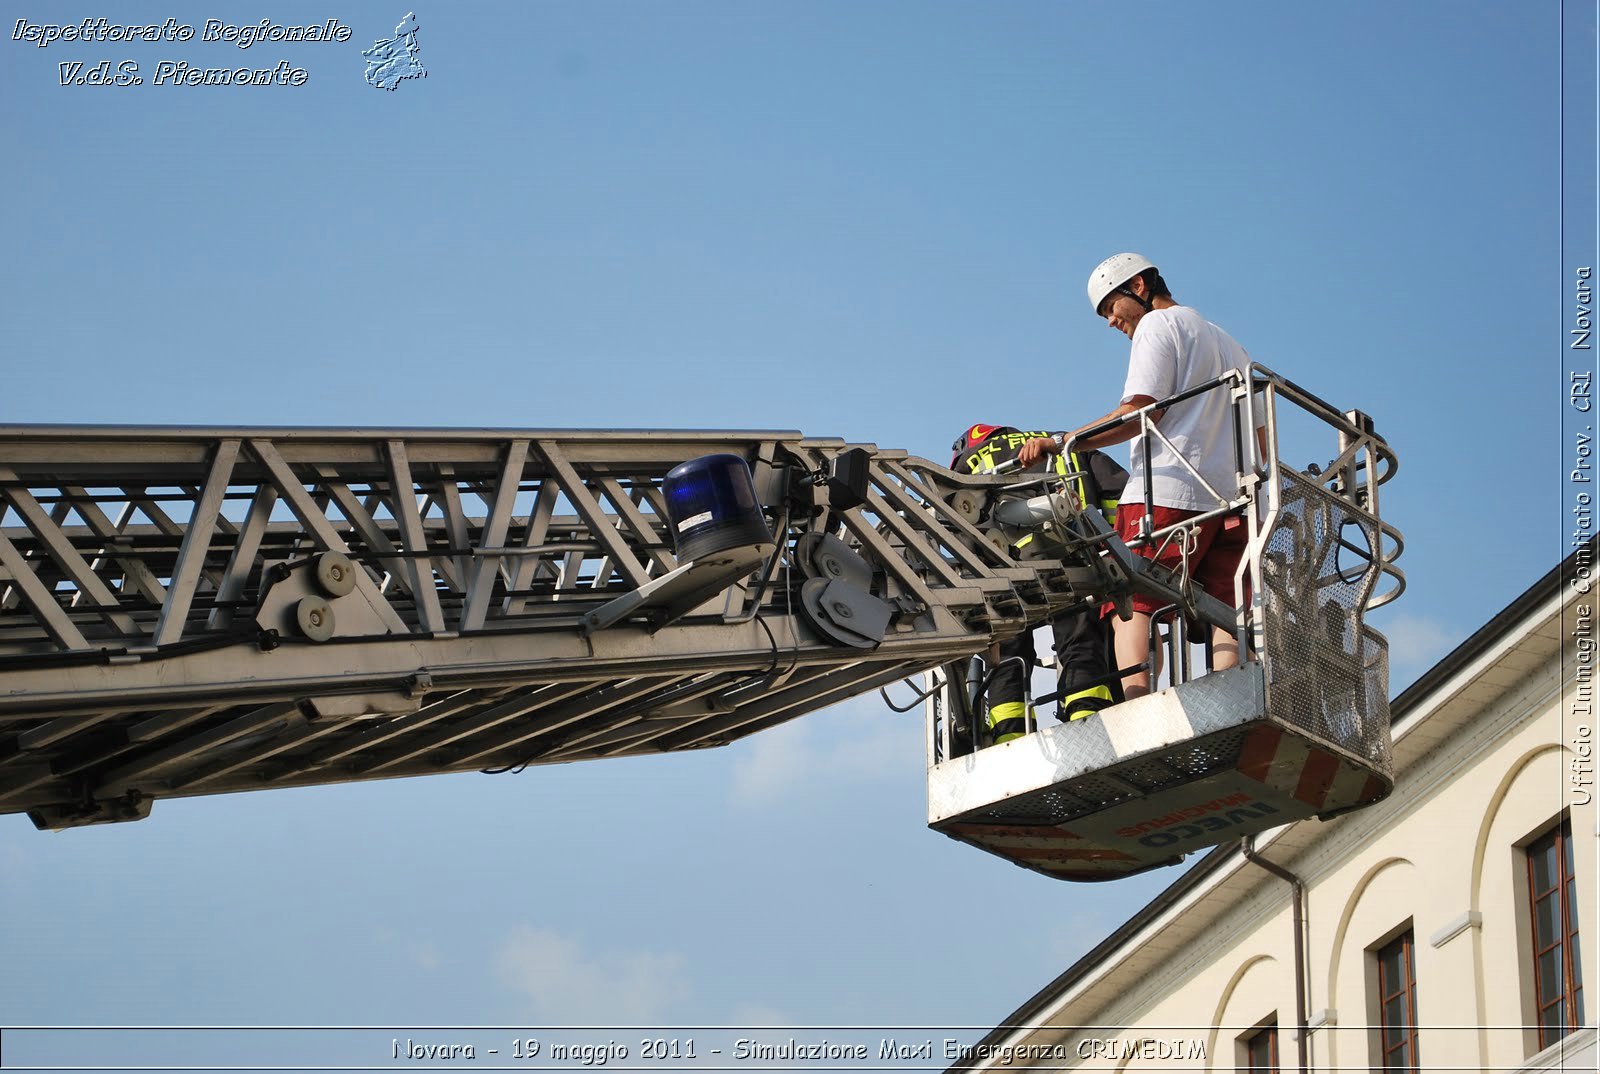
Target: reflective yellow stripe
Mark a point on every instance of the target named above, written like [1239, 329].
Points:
[1081, 490]
[1108, 504]
[1009, 720]
[1093, 693]
[1007, 710]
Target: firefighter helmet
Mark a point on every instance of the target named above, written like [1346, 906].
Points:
[972, 435]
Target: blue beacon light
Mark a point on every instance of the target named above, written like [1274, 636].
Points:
[711, 504]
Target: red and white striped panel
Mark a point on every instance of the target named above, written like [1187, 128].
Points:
[1297, 769]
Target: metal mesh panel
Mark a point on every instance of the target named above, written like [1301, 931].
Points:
[1203, 756]
[1045, 807]
[1148, 774]
[1326, 672]
[1151, 772]
[1056, 805]
[1100, 790]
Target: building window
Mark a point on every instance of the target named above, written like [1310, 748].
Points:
[1397, 999]
[1261, 1050]
[1552, 892]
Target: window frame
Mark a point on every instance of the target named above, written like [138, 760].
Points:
[1265, 1031]
[1398, 1042]
[1556, 837]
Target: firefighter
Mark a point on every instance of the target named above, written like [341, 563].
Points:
[1082, 639]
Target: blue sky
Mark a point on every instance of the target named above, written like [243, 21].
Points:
[867, 221]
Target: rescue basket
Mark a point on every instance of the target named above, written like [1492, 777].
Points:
[1299, 730]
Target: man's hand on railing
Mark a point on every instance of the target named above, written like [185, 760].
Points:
[1036, 449]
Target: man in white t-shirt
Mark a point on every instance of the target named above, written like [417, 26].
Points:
[1174, 349]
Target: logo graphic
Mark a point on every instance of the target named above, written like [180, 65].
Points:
[393, 61]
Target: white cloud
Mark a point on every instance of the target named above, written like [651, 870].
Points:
[1415, 644]
[857, 740]
[773, 763]
[425, 954]
[573, 986]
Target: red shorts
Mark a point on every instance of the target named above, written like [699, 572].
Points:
[1219, 546]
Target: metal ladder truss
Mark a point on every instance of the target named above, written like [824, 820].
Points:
[1300, 729]
[188, 611]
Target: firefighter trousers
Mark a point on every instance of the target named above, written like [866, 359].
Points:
[1083, 655]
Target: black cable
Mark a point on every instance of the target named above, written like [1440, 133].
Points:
[516, 767]
[770, 670]
[762, 623]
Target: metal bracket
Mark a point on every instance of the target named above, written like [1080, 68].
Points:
[678, 592]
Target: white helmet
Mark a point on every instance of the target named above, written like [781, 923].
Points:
[1112, 273]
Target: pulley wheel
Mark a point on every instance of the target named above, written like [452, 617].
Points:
[822, 555]
[314, 617]
[820, 620]
[336, 575]
[968, 504]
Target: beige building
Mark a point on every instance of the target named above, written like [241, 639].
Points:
[1440, 928]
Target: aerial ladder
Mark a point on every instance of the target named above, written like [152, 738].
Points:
[191, 611]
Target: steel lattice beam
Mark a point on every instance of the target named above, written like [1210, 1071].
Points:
[150, 580]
